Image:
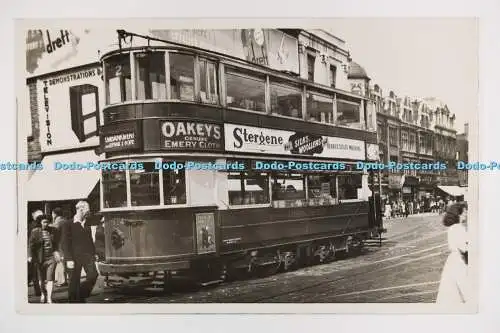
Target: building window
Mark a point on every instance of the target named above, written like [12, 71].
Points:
[333, 75]
[286, 100]
[248, 188]
[208, 82]
[404, 140]
[413, 142]
[145, 186]
[319, 108]
[245, 92]
[182, 77]
[114, 188]
[393, 136]
[151, 81]
[421, 146]
[348, 113]
[118, 79]
[381, 133]
[310, 67]
[174, 187]
[348, 186]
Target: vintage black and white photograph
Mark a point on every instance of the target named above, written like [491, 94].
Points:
[325, 163]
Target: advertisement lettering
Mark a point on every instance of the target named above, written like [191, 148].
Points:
[271, 141]
[181, 135]
[76, 99]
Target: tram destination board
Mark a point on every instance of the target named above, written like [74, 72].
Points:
[124, 136]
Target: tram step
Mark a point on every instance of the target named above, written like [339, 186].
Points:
[209, 283]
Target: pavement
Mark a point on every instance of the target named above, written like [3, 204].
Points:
[405, 269]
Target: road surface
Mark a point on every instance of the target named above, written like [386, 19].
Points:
[405, 269]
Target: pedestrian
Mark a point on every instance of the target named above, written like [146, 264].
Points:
[453, 287]
[32, 270]
[44, 255]
[79, 252]
[58, 222]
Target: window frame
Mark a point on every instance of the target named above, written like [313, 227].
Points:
[129, 206]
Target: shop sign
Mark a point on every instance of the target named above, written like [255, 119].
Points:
[122, 137]
[190, 135]
[406, 190]
[69, 109]
[240, 138]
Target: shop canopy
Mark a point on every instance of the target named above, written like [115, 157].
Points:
[454, 191]
[50, 184]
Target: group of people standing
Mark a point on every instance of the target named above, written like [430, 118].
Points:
[65, 247]
[404, 208]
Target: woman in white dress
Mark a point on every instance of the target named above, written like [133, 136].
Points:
[453, 284]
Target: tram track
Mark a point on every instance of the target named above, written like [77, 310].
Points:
[246, 290]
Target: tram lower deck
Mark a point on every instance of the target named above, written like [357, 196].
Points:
[174, 220]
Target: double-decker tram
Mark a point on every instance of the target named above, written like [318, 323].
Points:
[228, 167]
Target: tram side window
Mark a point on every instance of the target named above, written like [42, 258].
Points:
[348, 114]
[118, 79]
[348, 186]
[208, 82]
[145, 186]
[182, 76]
[174, 187]
[151, 83]
[288, 190]
[245, 91]
[322, 190]
[286, 100]
[114, 185]
[248, 188]
[319, 108]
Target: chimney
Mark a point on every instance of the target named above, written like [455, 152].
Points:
[466, 130]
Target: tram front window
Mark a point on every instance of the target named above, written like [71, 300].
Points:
[174, 187]
[114, 185]
[208, 82]
[248, 188]
[145, 186]
[182, 76]
[245, 91]
[151, 82]
[118, 79]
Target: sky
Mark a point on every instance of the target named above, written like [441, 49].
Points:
[418, 57]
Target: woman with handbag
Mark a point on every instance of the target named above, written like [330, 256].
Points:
[43, 243]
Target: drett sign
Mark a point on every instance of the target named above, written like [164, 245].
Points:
[188, 135]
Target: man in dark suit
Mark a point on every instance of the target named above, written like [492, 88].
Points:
[79, 252]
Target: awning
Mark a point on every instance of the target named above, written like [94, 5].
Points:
[454, 191]
[50, 184]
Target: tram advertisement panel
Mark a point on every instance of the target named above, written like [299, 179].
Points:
[240, 138]
[205, 232]
[69, 106]
[190, 135]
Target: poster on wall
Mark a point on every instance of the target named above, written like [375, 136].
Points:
[268, 47]
[240, 138]
[69, 109]
[205, 232]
